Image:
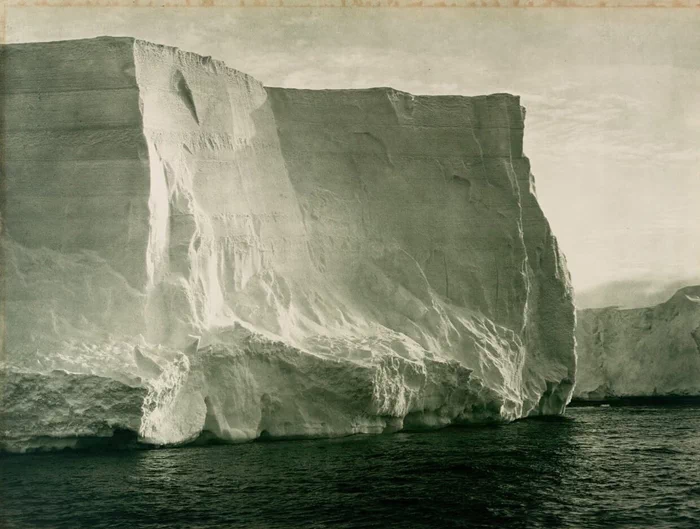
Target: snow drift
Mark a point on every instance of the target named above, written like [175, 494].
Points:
[187, 253]
[646, 352]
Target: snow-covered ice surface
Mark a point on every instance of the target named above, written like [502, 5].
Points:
[187, 253]
[652, 351]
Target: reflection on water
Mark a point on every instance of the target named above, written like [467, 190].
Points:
[600, 467]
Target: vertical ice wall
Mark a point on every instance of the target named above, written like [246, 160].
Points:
[74, 151]
[645, 352]
[74, 179]
[76, 191]
[271, 261]
[224, 218]
[551, 312]
[433, 197]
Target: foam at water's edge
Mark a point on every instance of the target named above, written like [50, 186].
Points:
[266, 262]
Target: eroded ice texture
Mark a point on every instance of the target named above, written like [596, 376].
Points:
[244, 261]
[640, 352]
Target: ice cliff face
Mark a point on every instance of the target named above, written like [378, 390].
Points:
[640, 352]
[187, 253]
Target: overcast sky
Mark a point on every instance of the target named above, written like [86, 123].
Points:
[613, 99]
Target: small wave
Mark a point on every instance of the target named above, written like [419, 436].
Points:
[658, 450]
[547, 418]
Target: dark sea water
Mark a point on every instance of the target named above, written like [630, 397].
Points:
[626, 467]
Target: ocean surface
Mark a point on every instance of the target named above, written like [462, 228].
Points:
[622, 467]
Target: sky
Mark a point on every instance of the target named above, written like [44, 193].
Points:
[612, 98]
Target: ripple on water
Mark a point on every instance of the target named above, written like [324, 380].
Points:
[614, 467]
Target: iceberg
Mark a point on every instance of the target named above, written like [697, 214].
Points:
[189, 255]
[644, 352]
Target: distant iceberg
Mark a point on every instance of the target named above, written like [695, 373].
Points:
[653, 351]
